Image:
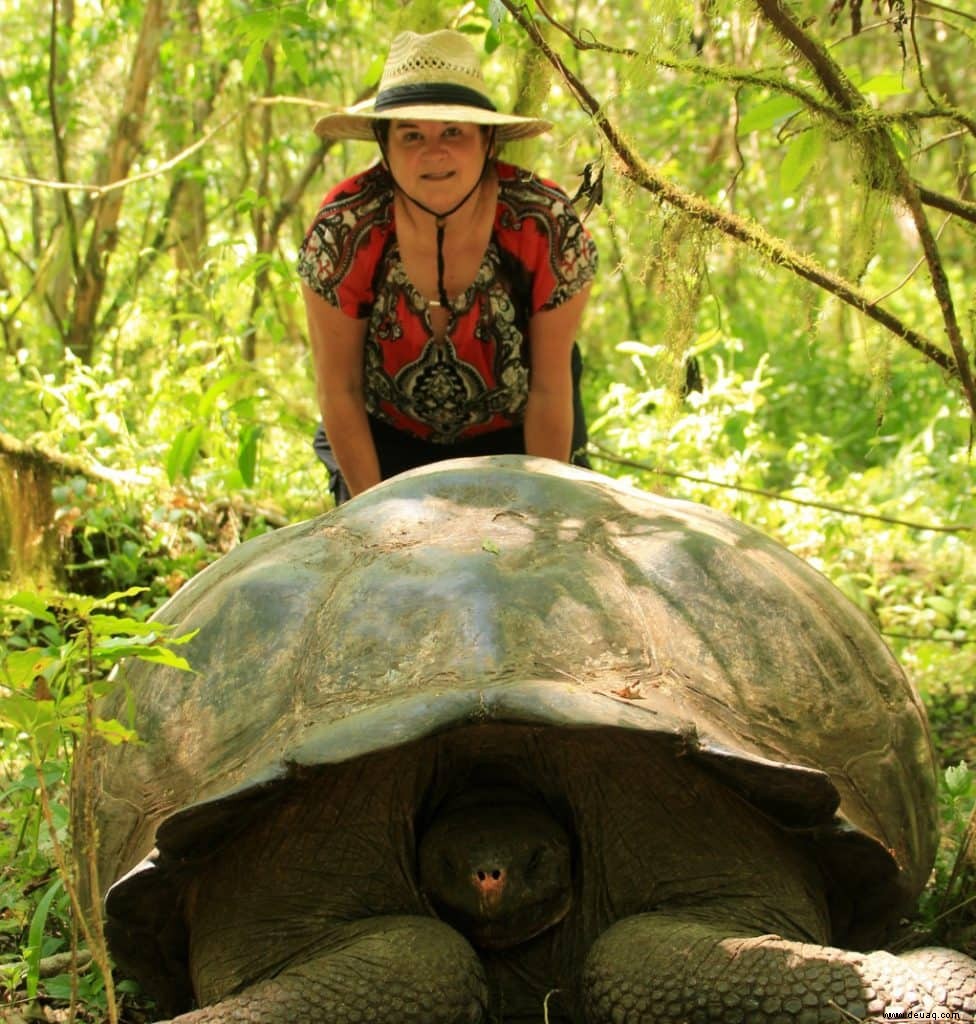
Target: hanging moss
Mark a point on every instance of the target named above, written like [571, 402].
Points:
[682, 261]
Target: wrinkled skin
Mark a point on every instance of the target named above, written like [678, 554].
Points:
[683, 905]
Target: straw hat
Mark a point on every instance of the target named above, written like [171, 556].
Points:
[433, 77]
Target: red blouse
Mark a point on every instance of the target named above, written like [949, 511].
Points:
[477, 378]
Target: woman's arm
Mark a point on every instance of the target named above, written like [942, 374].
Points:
[337, 353]
[549, 412]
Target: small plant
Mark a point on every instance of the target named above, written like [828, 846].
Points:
[948, 906]
[55, 666]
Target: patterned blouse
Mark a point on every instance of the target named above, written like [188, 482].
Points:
[477, 378]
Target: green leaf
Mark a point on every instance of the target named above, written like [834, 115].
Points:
[768, 114]
[942, 604]
[247, 201]
[183, 452]
[163, 656]
[958, 779]
[22, 667]
[110, 599]
[491, 547]
[112, 730]
[375, 70]
[247, 452]
[110, 625]
[258, 26]
[210, 396]
[903, 143]
[32, 603]
[25, 714]
[801, 155]
[638, 348]
[116, 648]
[253, 57]
[884, 85]
[297, 59]
[35, 939]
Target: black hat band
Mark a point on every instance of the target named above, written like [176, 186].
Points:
[434, 93]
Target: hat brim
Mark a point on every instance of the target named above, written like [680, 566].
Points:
[358, 124]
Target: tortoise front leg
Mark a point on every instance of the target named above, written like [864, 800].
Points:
[669, 969]
[388, 970]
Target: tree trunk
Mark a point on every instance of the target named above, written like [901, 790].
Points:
[122, 149]
[28, 533]
[188, 229]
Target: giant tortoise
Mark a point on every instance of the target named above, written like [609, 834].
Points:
[502, 740]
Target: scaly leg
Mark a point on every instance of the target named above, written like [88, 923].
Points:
[674, 970]
[388, 970]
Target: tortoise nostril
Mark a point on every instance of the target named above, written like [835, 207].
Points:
[494, 874]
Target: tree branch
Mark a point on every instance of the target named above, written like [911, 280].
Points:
[57, 133]
[122, 149]
[841, 91]
[774, 250]
[599, 451]
[957, 207]
[98, 190]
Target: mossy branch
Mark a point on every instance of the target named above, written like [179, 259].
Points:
[772, 249]
[879, 146]
[849, 103]
[729, 74]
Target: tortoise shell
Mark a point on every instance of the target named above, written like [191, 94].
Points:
[518, 590]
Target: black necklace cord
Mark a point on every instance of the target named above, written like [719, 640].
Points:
[440, 219]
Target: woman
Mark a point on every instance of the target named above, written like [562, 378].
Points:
[443, 287]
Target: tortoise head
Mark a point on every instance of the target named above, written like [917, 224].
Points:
[497, 866]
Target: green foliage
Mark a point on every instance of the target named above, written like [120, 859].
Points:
[55, 664]
[947, 908]
[855, 511]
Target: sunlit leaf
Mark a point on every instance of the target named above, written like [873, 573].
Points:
[802, 154]
[32, 603]
[209, 399]
[884, 85]
[768, 114]
[252, 60]
[247, 453]
[183, 452]
[23, 713]
[297, 58]
[35, 940]
[20, 668]
[114, 731]
[117, 648]
[110, 625]
[638, 348]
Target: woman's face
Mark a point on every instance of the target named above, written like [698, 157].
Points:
[436, 162]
